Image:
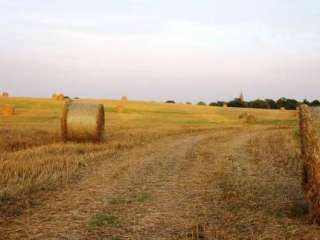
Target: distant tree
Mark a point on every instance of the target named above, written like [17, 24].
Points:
[272, 104]
[281, 103]
[258, 104]
[289, 104]
[213, 104]
[305, 101]
[221, 103]
[236, 103]
[315, 103]
[292, 104]
[188, 103]
[201, 103]
[171, 101]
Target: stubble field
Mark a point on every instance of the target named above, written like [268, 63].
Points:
[164, 171]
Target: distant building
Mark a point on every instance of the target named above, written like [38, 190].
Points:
[241, 97]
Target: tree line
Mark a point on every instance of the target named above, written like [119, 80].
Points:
[285, 103]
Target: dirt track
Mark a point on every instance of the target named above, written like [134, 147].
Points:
[174, 188]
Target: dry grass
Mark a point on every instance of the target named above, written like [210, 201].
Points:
[250, 119]
[278, 149]
[243, 115]
[8, 110]
[119, 108]
[36, 130]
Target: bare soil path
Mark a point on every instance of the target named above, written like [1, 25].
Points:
[181, 187]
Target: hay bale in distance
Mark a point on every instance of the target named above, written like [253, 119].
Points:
[60, 97]
[119, 108]
[250, 119]
[310, 153]
[8, 110]
[243, 115]
[82, 122]
[282, 109]
[5, 94]
[124, 98]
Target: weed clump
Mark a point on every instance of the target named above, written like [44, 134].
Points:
[101, 219]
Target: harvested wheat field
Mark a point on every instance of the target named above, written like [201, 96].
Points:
[161, 172]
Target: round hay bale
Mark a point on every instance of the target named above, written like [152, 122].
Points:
[282, 109]
[124, 98]
[60, 97]
[5, 94]
[250, 119]
[119, 108]
[310, 154]
[82, 122]
[243, 115]
[8, 110]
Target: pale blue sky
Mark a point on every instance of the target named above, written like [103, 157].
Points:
[158, 50]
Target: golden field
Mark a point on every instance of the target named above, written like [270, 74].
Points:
[164, 171]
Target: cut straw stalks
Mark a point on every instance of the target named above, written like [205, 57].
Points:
[8, 110]
[119, 108]
[251, 119]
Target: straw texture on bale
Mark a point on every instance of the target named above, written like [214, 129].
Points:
[60, 97]
[310, 153]
[82, 122]
[8, 110]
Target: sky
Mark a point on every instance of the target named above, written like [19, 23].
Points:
[184, 50]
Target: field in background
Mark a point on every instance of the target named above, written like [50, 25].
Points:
[37, 121]
[34, 161]
[34, 158]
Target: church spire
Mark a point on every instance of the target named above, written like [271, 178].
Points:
[241, 97]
